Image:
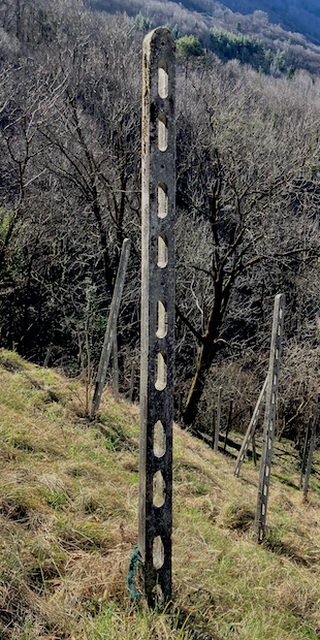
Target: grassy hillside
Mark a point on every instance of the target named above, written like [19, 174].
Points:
[68, 511]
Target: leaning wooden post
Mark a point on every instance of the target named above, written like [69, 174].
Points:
[311, 450]
[157, 312]
[251, 429]
[111, 327]
[270, 416]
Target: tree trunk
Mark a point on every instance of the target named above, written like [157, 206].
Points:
[198, 383]
[208, 352]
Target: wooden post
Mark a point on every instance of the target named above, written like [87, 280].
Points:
[218, 418]
[111, 327]
[270, 416]
[311, 450]
[131, 382]
[115, 366]
[254, 450]
[304, 454]
[157, 312]
[48, 355]
[251, 429]
[213, 430]
[179, 405]
[88, 375]
[228, 427]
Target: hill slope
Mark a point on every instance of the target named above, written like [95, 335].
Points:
[297, 38]
[302, 16]
[293, 15]
[68, 510]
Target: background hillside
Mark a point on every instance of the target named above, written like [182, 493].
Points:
[68, 513]
[301, 16]
[262, 18]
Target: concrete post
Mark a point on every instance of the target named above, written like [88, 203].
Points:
[270, 416]
[157, 312]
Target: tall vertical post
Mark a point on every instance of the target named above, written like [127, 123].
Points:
[157, 312]
[270, 416]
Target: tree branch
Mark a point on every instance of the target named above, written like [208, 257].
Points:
[189, 325]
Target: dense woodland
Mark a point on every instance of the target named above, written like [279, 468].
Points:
[294, 15]
[247, 224]
[202, 17]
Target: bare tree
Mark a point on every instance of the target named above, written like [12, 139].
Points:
[240, 166]
[93, 130]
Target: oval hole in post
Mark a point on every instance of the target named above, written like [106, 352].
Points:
[159, 487]
[162, 319]
[159, 439]
[162, 251]
[162, 200]
[163, 79]
[162, 132]
[161, 379]
[158, 552]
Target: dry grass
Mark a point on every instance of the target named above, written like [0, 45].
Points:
[68, 517]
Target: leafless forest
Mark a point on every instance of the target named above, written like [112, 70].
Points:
[200, 16]
[247, 209]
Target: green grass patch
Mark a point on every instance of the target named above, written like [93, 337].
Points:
[68, 511]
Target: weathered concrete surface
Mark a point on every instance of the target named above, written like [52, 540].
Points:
[157, 310]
